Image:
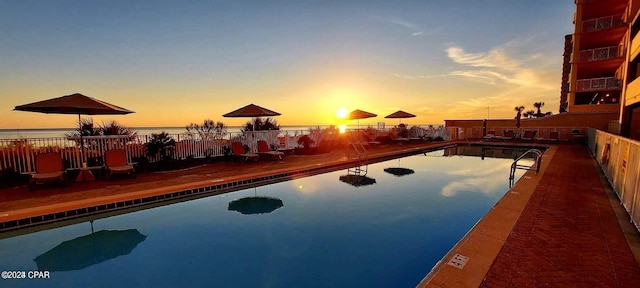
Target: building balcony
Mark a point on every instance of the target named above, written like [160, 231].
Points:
[597, 84]
[601, 54]
[602, 23]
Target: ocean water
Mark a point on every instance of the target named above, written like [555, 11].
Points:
[62, 132]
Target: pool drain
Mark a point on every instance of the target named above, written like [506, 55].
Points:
[458, 261]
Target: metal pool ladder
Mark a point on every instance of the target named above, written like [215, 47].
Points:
[535, 166]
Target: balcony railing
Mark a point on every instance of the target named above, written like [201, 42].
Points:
[595, 84]
[602, 23]
[600, 54]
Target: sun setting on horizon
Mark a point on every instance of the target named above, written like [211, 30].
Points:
[342, 113]
[380, 58]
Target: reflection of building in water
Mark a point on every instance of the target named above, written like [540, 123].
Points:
[484, 151]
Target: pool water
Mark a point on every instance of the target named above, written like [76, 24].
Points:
[317, 231]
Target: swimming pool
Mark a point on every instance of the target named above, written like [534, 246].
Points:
[386, 230]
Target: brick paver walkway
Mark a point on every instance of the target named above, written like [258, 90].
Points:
[568, 234]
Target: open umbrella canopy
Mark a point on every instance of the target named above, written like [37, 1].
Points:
[398, 171]
[359, 114]
[255, 205]
[82, 252]
[73, 104]
[400, 114]
[357, 180]
[251, 110]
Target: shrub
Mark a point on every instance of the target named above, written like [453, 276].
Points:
[260, 124]
[161, 145]
[305, 141]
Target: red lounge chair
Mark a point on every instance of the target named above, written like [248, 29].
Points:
[263, 150]
[508, 135]
[490, 136]
[238, 151]
[116, 163]
[49, 168]
[528, 136]
[554, 136]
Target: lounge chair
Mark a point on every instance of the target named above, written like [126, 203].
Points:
[238, 151]
[508, 135]
[491, 135]
[263, 150]
[116, 163]
[528, 136]
[554, 136]
[49, 168]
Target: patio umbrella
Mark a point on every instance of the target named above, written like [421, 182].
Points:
[400, 114]
[74, 104]
[84, 251]
[252, 111]
[357, 180]
[359, 114]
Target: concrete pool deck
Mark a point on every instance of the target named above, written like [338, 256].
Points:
[556, 228]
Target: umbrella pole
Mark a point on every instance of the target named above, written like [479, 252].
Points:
[85, 174]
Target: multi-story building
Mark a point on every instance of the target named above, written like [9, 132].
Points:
[604, 61]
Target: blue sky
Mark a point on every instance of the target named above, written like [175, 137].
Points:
[177, 62]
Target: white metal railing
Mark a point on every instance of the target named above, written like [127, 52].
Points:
[619, 159]
[19, 154]
[600, 53]
[602, 23]
[597, 84]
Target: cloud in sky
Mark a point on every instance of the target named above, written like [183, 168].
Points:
[507, 71]
[417, 32]
[485, 181]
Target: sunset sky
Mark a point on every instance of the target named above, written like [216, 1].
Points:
[178, 62]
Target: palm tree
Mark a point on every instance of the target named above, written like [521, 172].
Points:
[114, 128]
[518, 115]
[531, 113]
[259, 124]
[538, 105]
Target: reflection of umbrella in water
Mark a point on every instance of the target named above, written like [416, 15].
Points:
[82, 252]
[398, 171]
[252, 111]
[359, 114]
[255, 205]
[74, 104]
[357, 180]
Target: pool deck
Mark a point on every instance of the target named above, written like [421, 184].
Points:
[562, 227]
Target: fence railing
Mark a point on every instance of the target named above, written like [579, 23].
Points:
[619, 159]
[565, 133]
[19, 154]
